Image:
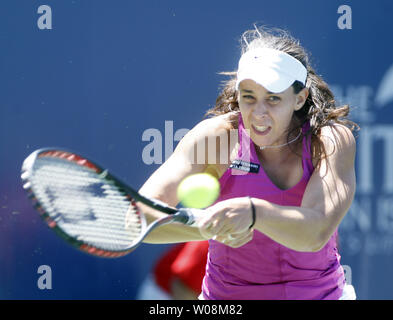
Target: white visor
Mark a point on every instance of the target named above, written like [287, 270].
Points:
[275, 70]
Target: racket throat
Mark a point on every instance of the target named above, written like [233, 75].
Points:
[183, 216]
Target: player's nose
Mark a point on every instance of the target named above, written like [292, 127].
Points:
[260, 110]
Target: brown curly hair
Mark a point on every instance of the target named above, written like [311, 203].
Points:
[320, 108]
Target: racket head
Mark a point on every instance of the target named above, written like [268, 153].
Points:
[73, 195]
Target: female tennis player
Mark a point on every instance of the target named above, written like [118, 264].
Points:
[285, 185]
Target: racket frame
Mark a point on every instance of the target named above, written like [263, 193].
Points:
[182, 215]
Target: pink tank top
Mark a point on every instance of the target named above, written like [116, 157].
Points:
[262, 268]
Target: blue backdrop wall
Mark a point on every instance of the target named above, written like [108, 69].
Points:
[107, 71]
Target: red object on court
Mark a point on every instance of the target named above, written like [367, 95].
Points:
[184, 261]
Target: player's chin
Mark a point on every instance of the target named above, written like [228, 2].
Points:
[261, 141]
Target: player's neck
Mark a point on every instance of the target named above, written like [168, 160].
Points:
[278, 156]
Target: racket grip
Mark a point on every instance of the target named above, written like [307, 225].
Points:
[192, 216]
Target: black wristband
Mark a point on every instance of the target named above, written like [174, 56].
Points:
[253, 212]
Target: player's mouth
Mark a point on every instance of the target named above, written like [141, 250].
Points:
[261, 130]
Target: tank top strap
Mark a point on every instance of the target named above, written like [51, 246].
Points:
[246, 146]
[308, 166]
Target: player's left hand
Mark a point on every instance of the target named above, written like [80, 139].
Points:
[228, 222]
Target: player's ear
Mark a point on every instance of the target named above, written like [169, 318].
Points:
[301, 98]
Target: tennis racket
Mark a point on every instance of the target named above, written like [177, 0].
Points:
[89, 207]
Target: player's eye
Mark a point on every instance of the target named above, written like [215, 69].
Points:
[274, 99]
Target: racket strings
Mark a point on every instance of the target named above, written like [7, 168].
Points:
[85, 205]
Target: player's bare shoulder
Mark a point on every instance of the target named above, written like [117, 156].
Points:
[219, 126]
[211, 128]
[337, 135]
[222, 142]
[211, 142]
[339, 142]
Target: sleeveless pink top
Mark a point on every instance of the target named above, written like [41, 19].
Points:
[263, 268]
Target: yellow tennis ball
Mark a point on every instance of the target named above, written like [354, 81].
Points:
[198, 190]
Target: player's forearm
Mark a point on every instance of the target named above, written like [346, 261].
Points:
[173, 233]
[169, 233]
[297, 228]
